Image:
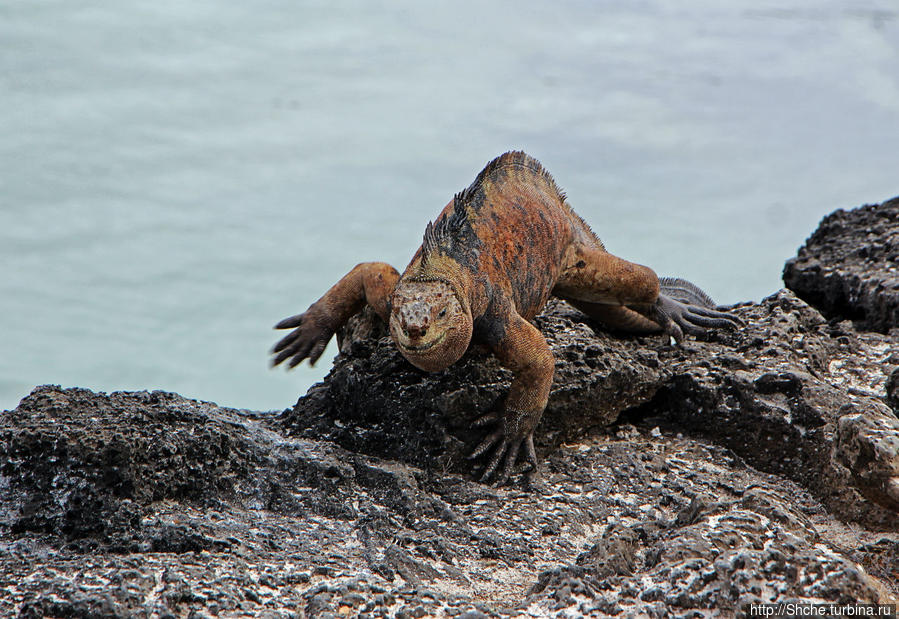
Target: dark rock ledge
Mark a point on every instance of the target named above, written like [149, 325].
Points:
[849, 268]
[759, 465]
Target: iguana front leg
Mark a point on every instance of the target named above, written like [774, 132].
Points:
[368, 283]
[522, 349]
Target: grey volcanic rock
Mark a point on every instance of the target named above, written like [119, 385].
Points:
[849, 267]
[200, 509]
[790, 393]
[749, 466]
[82, 466]
[375, 402]
[797, 397]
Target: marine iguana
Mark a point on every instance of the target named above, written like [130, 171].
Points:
[485, 268]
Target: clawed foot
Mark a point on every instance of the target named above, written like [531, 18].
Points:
[307, 340]
[507, 443]
[677, 318]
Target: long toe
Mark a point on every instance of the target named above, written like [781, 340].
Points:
[290, 322]
[486, 444]
[494, 462]
[709, 322]
[509, 464]
[486, 419]
[710, 313]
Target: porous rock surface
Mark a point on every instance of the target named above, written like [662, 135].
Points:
[849, 267]
[754, 465]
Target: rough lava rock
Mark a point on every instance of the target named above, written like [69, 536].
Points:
[754, 465]
[150, 504]
[790, 393]
[374, 402]
[797, 397]
[849, 267]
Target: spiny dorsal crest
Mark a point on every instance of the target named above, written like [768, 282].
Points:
[442, 234]
[516, 159]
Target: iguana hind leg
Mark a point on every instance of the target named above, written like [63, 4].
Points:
[631, 297]
[594, 275]
[367, 283]
[618, 317]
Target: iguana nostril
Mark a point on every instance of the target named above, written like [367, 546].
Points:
[416, 330]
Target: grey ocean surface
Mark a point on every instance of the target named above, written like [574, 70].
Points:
[176, 177]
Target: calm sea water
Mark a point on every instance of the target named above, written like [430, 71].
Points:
[175, 177]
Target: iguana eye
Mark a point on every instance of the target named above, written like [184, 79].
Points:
[442, 313]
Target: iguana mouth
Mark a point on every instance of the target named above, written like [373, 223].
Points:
[424, 347]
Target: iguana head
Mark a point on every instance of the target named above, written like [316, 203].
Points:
[429, 325]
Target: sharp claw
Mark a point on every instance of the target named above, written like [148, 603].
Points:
[674, 330]
[532, 473]
[290, 322]
[530, 453]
